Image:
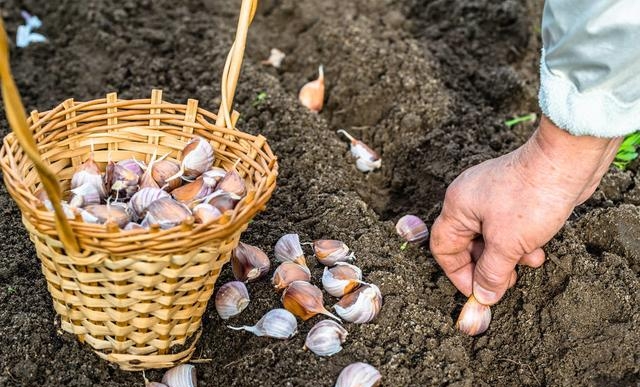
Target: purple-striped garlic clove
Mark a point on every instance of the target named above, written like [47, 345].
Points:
[249, 263]
[326, 338]
[361, 306]
[359, 375]
[197, 158]
[288, 249]
[183, 375]
[84, 195]
[367, 159]
[89, 173]
[205, 213]
[213, 176]
[233, 184]
[474, 317]
[232, 298]
[141, 200]
[341, 279]
[288, 272]
[412, 229]
[193, 192]
[166, 213]
[104, 213]
[222, 200]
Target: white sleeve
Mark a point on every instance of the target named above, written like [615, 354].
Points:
[590, 66]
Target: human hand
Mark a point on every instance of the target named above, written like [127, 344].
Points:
[501, 212]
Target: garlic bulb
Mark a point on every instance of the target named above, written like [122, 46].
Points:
[359, 375]
[233, 184]
[249, 262]
[361, 306]
[312, 94]
[288, 272]
[341, 279]
[326, 338]
[275, 58]
[89, 173]
[183, 375]
[304, 300]
[288, 249]
[222, 200]
[143, 198]
[103, 213]
[232, 298]
[166, 213]
[412, 229]
[474, 317]
[367, 159]
[192, 192]
[329, 252]
[205, 213]
[162, 170]
[277, 324]
[84, 195]
[197, 157]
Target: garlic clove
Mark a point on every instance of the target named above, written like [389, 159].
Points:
[341, 279]
[206, 213]
[275, 58]
[166, 212]
[192, 192]
[89, 173]
[412, 229]
[361, 306]
[232, 298]
[233, 184]
[367, 159]
[162, 170]
[329, 251]
[197, 157]
[326, 338]
[213, 176]
[249, 262]
[124, 183]
[312, 94]
[304, 300]
[84, 195]
[141, 200]
[474, 317]
[288, 249]
[154, 384]
[359, 375]
[277, 324]
[132, 165]
[288, 272]
[132, 226]
[222, 200]
[183, 375]
[103, 213]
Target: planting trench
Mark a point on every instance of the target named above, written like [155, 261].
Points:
[426, 83]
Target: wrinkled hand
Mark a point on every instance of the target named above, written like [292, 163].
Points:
[501, 212]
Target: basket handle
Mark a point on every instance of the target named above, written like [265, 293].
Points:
[233, 64]
[18, 123]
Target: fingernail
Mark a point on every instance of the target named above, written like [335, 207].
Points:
[484, 296]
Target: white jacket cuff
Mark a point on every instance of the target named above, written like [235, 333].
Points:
[595, 112]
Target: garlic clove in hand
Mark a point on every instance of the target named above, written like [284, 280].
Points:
[288, 249]
[328, 252]
[277, 324]
[367, 159]
[325, 338]
[232, 298]
[249, 262]
[359, 375]
[183, 375]
[474, 317]
[412, 229]
[312, 94]
[304, 300]
[361, 306]
[288, 272]
[341, 279]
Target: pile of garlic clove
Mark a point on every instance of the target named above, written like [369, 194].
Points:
[163, 194]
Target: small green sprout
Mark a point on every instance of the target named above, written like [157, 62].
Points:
[628, 151]
[260, 98]
[528, 118]
[403, 247]
[11, 290]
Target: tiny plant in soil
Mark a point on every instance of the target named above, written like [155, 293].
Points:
[260, 98]
[628, 151]
[517, 120]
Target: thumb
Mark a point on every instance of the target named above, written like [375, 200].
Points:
[492, 274]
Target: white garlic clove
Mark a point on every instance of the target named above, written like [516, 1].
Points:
[197, 157]
[341, 279]
[361, 306]
[304, 300]
[232, 298]
[222, 200]
[206, 213]
[359, 375]
[213, 176]
[275, 58]
[330, 251]
[312, 94]
[132, 226]
[166, 213]
[183, 375]
[474, 317]
[367, 159]
[89, 173]
[288, 249]
[233, 184]
[412, 229]
[162, 170]
[194, 191]
[326, 338]
[84, 195]
[132, 165]
[143, 198]
[277, 324]
[288, 272]
[249, 263]
[103, 213]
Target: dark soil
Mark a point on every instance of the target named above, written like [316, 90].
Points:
[428, 84]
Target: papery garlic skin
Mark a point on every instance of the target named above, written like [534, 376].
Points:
[326, 338]
[304, 300]
[104, 213]
[141, 200]
[412, 229]
[288, 272]
[183, 375]
[341, 279]
[474, 317]
[277, 324]
[249, 263]
[288, 249]
[197, 158]
[361, 306]
[312, 94]
[359, 375]
[231, 299]
[330, 251]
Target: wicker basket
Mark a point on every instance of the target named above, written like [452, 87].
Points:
[136, 297]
